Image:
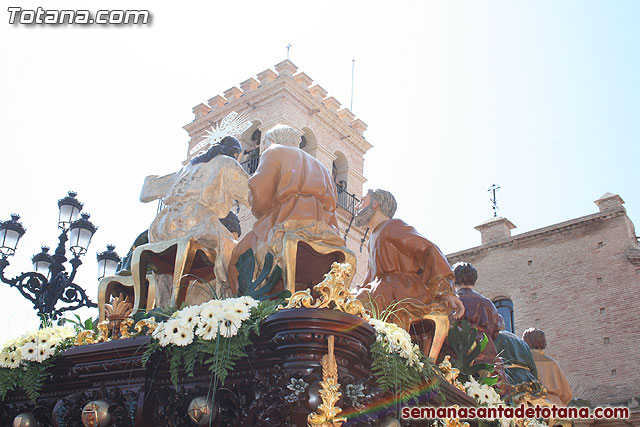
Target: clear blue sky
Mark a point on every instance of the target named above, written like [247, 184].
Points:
[540, 97]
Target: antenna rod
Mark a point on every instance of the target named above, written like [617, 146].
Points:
[353, 66]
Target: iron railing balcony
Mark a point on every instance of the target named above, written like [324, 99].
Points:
[347, 200]
[251, 164]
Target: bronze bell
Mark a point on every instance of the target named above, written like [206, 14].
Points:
[96, 414]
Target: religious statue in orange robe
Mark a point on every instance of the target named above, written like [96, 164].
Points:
[549, 372]
[290, 192]
[404, 267]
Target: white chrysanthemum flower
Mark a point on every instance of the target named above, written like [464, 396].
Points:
[189, 316]
[488, 395]
[208, 330]
[44, 352]
[30, 351]
[160, 335]
[396, 340]
[473, 388]
[184, 337]
[30, 337]
[43, 338]
[158, 331]
[178, 334]
[172, 327]
[376, 323]
[211, 312]
[229, 325]
[234, 308]
[52, 343]
[64, 332]
[248, 301]
[10, 359]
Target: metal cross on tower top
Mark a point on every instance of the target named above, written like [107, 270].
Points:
[288, 47]
[493, 190]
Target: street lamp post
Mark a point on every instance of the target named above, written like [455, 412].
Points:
[50, 283]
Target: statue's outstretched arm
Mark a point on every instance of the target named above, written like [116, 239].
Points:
[156, 187]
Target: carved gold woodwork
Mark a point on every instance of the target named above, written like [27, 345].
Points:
[438, 314]
[440, 317]
[186, 249]
[290, 247]
[119, 308]
[450, 373]
[333, 293]
[150, 323]
[89, 337]
[329, 392]
[107, 284]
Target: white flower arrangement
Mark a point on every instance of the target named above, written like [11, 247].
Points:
[206, 321]
[487, 396]
[396, 340]
[482, 393]
[36, 346]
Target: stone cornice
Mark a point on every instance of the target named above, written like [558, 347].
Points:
[266, 89]
[326, 152]
[325, 114]
[357, 176]
[540, 232]
[246, 103]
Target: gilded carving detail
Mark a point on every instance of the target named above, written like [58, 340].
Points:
[329, 392]
[333, 293]
[450, 373]
[89, 337]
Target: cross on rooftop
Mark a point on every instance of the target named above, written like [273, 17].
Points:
[494, 201]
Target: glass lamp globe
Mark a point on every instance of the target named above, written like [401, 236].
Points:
[42, 261]
[107, 262]
[80, 233]
[69, 207]
[10, 233]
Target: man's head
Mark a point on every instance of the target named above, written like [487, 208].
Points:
[466, 274]
[375, 200]
[535, 339]
[283, 135]
[229, 146]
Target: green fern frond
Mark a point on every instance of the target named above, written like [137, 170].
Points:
[33, 378]
[9, 379]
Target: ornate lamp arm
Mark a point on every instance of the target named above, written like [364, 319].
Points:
[29, 284]
[75, 263]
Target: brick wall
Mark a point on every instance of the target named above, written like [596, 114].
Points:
[576, 282]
